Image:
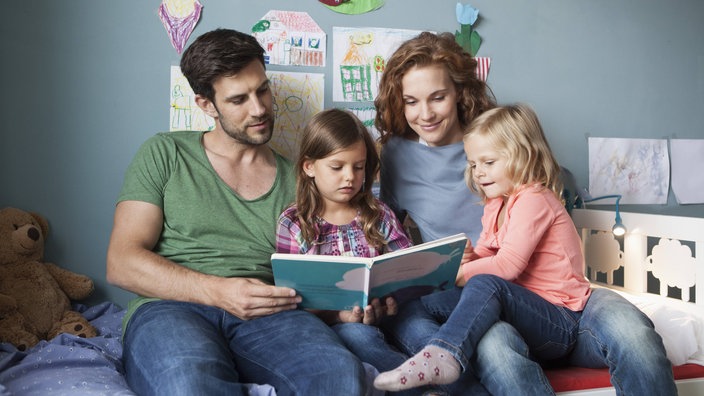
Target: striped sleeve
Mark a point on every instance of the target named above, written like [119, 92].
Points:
[392, 230]
[288, 233]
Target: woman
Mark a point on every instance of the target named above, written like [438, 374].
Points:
[428, 94]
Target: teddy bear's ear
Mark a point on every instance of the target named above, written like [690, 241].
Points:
[43, 223]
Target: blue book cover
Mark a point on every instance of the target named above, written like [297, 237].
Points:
[342, 282]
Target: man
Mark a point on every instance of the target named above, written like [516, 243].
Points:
[193, 232]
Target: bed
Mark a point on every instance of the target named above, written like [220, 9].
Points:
[71, 366]
[655, 265]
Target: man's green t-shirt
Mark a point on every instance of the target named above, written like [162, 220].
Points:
[207, 226]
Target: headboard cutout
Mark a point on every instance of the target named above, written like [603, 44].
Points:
[659, 254]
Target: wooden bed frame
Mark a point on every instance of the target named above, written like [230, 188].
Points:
[633, 269]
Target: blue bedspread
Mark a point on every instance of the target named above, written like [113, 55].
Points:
[69, 365]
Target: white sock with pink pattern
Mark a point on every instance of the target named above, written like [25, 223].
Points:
[432, 365]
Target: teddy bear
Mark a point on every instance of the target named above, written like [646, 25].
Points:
[35, 296]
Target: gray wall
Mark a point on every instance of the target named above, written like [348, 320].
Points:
[87, 81]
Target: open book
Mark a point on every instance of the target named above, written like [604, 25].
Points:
[342, 282]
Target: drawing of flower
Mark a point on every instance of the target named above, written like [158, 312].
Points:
[467, 37]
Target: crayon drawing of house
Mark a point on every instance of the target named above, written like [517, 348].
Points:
[291, 38]
[359, 59]
[355, 71]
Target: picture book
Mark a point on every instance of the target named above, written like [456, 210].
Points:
[342, 282]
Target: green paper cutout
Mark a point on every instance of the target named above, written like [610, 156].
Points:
[355, 7]
[468, 39]
[261, 26]
[462, 37]
[475, 42]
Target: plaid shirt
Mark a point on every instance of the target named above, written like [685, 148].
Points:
[339, 240]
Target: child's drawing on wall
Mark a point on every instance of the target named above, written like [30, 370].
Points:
[297, 97]
[355, 71]
[291, 38]
[638, 169]
[359, 56]
[184, 114]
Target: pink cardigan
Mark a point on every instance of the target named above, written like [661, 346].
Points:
[536, 247]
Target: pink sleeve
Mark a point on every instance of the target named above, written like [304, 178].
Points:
[528, 217]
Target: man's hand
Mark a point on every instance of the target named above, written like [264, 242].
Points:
[249, 298]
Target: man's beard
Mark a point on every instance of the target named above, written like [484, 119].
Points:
[240, 134]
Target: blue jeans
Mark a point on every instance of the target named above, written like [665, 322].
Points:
[371, 346]
[176, 348]
[614, 333]
[549, 330]
[502, 362]
[462, 317]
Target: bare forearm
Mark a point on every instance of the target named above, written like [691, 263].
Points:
[133, 266]
[150, 275]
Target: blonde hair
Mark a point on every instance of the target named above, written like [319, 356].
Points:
[328, 131]
[516, 133]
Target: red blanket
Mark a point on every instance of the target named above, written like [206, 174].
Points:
[578, 378]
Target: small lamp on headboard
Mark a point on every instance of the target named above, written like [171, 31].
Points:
[576, 197]
[618, 229]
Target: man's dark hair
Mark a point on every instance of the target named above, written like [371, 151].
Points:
[218, 53]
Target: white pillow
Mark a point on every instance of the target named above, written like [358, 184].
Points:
[680, 324]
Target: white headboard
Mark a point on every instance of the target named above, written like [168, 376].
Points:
[670, 248]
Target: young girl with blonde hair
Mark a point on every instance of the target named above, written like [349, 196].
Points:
[527, 266]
